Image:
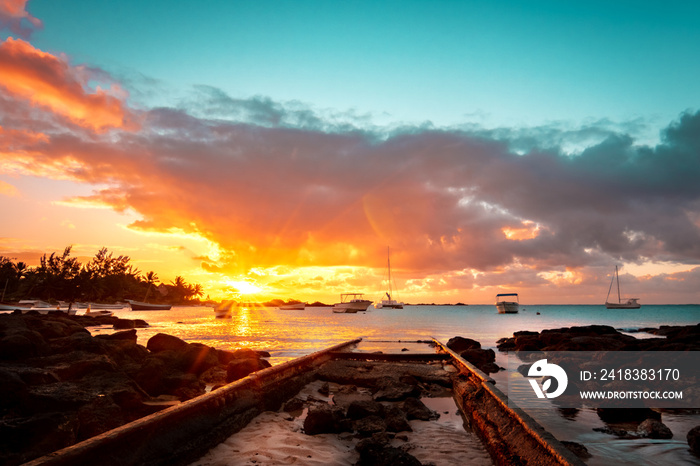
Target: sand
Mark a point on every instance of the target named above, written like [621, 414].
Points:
[277, 438]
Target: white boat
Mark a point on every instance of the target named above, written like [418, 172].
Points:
[293, 307]
[223, 310]
[507, 303]
[351, 303]
[629, 303]
[389, 302]
[98, 312]
[42, 307]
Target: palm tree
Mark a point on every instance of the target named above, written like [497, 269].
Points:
[151, 279]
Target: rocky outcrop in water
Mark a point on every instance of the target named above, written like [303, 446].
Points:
[603, 338]
[60, 385]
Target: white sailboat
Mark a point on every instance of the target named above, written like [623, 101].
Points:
[389, 302]
[630, 303]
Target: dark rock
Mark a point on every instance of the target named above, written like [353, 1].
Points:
[651, 428]
[12, 389]
[693, 438]
[375, 451]
[325, 389]
[415, 409]
[238, 369]
[369, 425]
[360, 409]
[396, 420]
[620, 415]
[29, 438]
[459, 344]
[322, 419]
[482, 359]
[162, 342]
[123, 324]
[98, 416]
[77, 368]
[577, 449]
[295, 404]
[129, 335]
[391, 389]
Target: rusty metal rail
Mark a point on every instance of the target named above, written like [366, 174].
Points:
[182, 433]
[508, 432]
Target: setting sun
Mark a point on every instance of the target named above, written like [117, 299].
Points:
[244, 287]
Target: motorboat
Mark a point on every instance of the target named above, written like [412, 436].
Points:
[223, 310]
[293, 307]
[628, 303]
[351, 303]
[43, 307]
[141, 306]
[507, 303]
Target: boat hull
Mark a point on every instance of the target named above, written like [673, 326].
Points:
[139, 306]
[352, 306]
[623, 305]
[507, 307]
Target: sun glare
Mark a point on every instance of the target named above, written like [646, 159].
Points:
[244, 287]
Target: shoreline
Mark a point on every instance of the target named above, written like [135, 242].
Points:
[70, 359]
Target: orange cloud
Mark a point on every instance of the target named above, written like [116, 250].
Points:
[12, 12]
[6, 189]
[50, 82]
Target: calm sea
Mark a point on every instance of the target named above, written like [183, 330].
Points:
[291, 334]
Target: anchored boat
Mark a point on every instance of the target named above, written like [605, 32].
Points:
[507, 303]
[351, 303]
[629, 303]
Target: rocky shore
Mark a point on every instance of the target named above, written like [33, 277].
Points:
[624, 423]
[61, 385]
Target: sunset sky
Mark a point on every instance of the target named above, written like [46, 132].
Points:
[280, 147]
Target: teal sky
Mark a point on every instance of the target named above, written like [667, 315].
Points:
[490, 63]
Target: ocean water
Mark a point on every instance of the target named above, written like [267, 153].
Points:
[290, 334]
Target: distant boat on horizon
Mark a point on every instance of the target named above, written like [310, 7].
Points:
[141, 306]
[630, 303]
[389, 302]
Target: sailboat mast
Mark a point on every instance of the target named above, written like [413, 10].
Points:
[388, 265]
[617, 277]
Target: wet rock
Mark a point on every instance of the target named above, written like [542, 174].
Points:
[396, 420]
[415, 409]
[693, 439]
[323, 419]
[482, 359]
[360, 409]
[162, 342]
[459, 344]
[620, 415]
[127, 335]
[295, 404]
[325, 389]
[577, 449]
[651, 428]
[369, 425]
[123, 324]
[375, 451]
[392, 389]
[240, 368]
